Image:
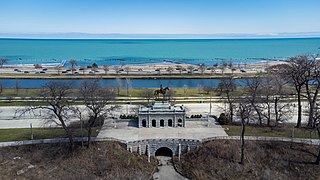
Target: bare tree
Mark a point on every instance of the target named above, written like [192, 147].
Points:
[272, 93]
[312, 87]
[191, 68]
[3, 61]
[118, 85]
[254, 88]
[147, 93]
[17, 86]
[202, 68]
[57, 103]
[296, 71]
[317, 127]
[207, 89]
[127, 69]
[227, 87]
[106, 68]
[223, 65]
[58, 68]
[128, 86]
[73, 63]
[243, 111]
[97, 101]
[116, 69]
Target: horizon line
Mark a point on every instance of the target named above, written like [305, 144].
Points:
[79, 35]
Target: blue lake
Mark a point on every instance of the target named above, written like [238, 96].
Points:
[140, 51]
[134, 83]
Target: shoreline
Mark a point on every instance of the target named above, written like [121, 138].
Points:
[148, 71]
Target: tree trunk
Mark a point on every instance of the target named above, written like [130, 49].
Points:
[242, 140]
[299, 108]
[258, 113]
[318, 157]
[276, 110]
[269, 114]
[89, 136]
[313, 102]
[68, 134]
[230, 107]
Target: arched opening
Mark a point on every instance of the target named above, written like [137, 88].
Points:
[154, 123]
[179, 122]
[164, 151]
[161, 123]
[170, 122]
[144, 123]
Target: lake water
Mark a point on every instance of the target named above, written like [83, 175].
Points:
[208, 52]
[134, 83]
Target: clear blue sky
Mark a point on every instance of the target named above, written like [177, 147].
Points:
[159, 16]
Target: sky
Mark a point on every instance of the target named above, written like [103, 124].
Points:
[178, 17]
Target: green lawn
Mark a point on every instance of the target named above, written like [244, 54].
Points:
[285, 131]
[19, 134]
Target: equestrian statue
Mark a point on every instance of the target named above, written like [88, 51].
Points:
[162, 91]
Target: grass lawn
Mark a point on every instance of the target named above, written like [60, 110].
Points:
[285, 131]
[19, 134]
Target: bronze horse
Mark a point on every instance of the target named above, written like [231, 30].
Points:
[161, 91]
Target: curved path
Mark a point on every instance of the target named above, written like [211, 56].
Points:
[166, 170]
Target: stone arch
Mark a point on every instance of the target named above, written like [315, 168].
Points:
[144, 123]
[161, 123]
[164, 151]
[154, 123]
[179, 122]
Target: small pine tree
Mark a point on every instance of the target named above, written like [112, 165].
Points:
[223, 119]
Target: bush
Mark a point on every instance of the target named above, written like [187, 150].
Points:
[123, 116]
[223, 120]
[94, 65]
[196, 116]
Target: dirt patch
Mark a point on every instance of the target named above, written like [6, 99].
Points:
[263, 160]
[103, 160]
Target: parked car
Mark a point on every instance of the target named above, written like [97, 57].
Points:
[42, 72]
[26, 72]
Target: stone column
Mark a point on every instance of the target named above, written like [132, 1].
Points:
[139, 149]
[179, 151]
[148, 152]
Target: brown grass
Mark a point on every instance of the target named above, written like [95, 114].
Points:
[263, 160]
[104, 160]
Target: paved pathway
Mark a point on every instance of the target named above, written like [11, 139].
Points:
[166, 170]
[129, 132]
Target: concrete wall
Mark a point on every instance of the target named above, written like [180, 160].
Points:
[153, 145]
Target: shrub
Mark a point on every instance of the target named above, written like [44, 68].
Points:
[94, 65]
[223, 119]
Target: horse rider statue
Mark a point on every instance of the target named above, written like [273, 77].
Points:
[162, 91]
